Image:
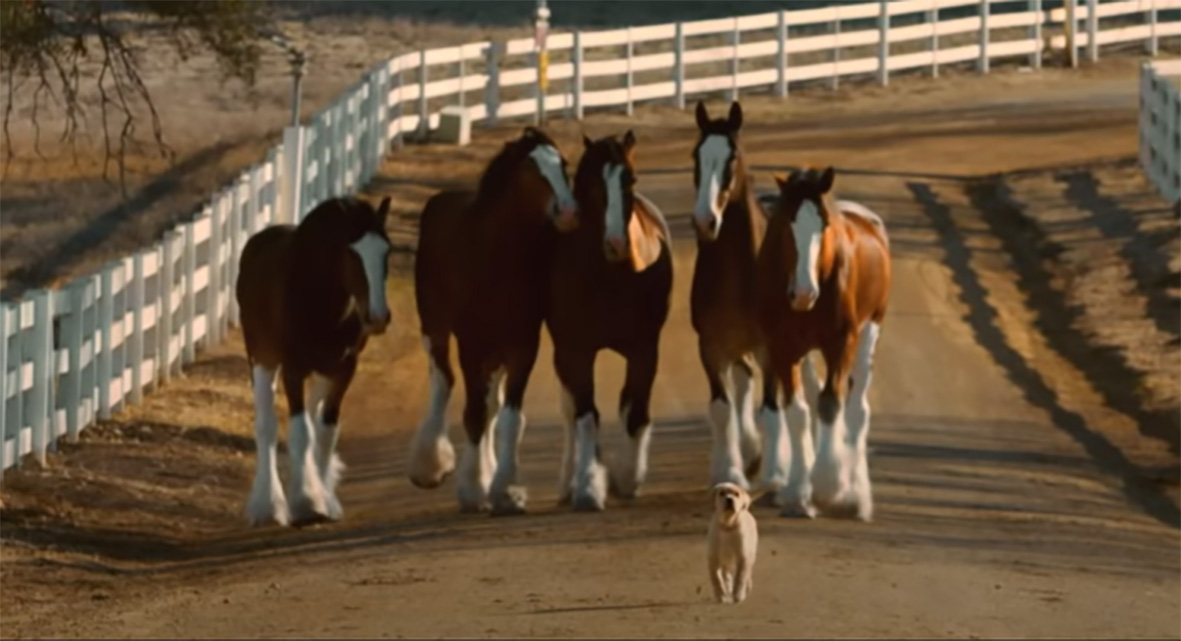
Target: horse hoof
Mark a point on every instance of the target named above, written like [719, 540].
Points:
[430, 482]
[335, 510]
[770, 499]
[798, 510]
[509, 503]
[587, 503]
[624, 490]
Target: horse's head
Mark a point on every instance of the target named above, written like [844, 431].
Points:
[715, 168]
[809, 223]
[358, 251]
[533, 171]
[604, 184]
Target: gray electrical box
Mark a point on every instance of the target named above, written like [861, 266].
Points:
[454, 127]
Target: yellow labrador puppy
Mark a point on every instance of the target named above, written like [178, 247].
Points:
[733, 543]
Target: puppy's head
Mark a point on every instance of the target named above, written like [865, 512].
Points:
[730, 500]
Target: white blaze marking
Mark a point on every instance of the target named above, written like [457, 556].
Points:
[808, 229]
[712, 157]
[613, 177]
[373, 250]
[549, 163]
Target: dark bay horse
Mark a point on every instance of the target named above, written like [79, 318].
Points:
[824, 283]
[310, 297]
[609, 288]
[481, 273]
[730, 224]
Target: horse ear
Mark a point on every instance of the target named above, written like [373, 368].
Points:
[702, 116]
[629, 140]
[529, 132]
[383, 210]
[781, 181]
[586, 141]
[735, 116]
[826, 179]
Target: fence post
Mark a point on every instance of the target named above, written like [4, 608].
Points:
[492, 89]
[242, 198]
[1152, 43]
[189, 307]
[166, 287]
[1093, 30]
[884, 43]
[576, 58]
[630, 79]
[119, 334]
[982, 63]
[1071, 27]
[5, 310]
[424, 118]
[72, 340]
[462, 74]
[735, 43]
[17, 355]
[781, 55]
[213, 284]
[1035, 58]
[136, 346]
[836, 51]
[106, 319]
[291, 183]
[933, 18]
[41, 404]
[90, 328]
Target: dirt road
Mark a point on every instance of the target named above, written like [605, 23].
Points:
[1011, 500]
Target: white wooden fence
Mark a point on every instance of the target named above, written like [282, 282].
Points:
[1160, 126]
[79, 353]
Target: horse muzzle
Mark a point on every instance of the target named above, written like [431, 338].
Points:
[376, 325]
[566, 219]
[615, 249]
[707, 226]
[802, 300]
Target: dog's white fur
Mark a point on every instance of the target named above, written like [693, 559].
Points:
[733, 544]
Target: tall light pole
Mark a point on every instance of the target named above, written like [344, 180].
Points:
[540, 29]
[298, 61]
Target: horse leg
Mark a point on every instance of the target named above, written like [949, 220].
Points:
[507, 496]
[588, 482]
[432, 459]
[776, 448]
[812, 388]
[565, 478]
[751, 445]
[308, 499]
[857, 410]
[267, 500]
[795, 497]
[831, 480]
[634, 407]
[476, 464]
[725, 459]
[328, 429]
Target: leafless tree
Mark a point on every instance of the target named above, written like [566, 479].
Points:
[45, 44]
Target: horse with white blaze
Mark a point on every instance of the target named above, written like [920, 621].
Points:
[310, 297]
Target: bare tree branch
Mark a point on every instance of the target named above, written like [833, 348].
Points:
[50, 42]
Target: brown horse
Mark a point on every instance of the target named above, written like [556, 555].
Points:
[609, 289]
[481, 273]
[310, 297]
[824, 283]
[730, 224]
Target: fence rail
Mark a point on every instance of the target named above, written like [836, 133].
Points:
[77, 354]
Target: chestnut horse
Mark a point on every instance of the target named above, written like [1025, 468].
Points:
[610, 286]
[310, 296]
[824, 283]
[730, 223]
[481, 273]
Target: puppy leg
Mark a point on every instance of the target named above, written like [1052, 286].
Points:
[743, 580]
[721, 585]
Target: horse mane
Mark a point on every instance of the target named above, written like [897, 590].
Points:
[496, 177]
